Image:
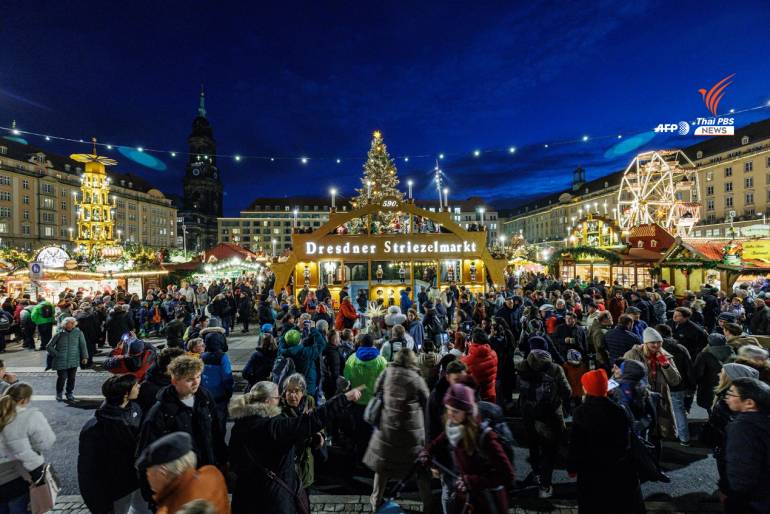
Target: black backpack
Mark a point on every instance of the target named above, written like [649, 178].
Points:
[539, 394]
[46, 310]
[282, 368]
[492, 419]
[5, 322]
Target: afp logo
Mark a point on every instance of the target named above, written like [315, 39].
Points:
[682, 128]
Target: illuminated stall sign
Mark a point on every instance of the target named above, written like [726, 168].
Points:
[52, 257]
[389, 247]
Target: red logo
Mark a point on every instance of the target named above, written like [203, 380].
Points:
[712, 97]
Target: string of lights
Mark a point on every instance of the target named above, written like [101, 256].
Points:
[439, 156]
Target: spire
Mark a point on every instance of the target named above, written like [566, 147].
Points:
[202, 105]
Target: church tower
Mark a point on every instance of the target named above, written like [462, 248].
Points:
[202, 201]
[202, 182]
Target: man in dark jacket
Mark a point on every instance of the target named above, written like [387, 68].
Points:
[760, 320]
[571, 336]
[88, 323]
[184, 406]
[748, 448]
[620, 339]
[510, 312]
[599, 454]
[118, 323]
[711, 309]
[687, 332]
[544, 393]
[334, 365]
[157, 378]
[244, 311]
[175, 331]
[681, 394]
[106, 474]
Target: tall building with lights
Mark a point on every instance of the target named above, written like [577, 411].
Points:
[202, 198]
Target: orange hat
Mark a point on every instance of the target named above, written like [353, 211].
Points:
[595, 382]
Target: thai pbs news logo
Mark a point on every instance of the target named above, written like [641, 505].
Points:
[715, 125]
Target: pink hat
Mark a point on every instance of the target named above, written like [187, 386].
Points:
[460, 397]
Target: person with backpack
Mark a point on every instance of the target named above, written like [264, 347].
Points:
[482, 473]
[363, 368]
[400, 436]
[544, 393]
[482, 365]
[397, 341]
[306, 355]
[599, 455]
[261, 362]
[334, 364]
[708, 367]
[427, 362]
[539, 340]
[43, 318]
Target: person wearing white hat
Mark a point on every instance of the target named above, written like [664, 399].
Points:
[661, 373]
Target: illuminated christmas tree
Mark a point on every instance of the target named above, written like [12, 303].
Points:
[380, 179]
[95, 222]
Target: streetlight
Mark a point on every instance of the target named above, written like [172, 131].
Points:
[120, 235]
[410, 183]
[446, 197]
[605, 208]
[71, 230]
[296, 211]
[764, 218]
[274, 242]
[333, 192]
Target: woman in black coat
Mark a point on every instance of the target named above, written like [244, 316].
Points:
[598, 453]
[262, 440]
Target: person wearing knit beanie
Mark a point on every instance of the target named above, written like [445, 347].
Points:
[650, 335]
[460, 397]
[734, 370]
[595, 382]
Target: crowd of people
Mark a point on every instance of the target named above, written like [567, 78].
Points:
[423, 389]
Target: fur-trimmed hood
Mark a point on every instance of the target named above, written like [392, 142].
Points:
[240, 409]
[209, 330]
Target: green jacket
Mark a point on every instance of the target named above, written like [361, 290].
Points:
[37, 315]
[67, 349]
[363, 367]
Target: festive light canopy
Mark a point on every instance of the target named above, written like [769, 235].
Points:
[95, 221]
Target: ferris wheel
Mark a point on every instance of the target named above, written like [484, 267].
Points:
[660, 187]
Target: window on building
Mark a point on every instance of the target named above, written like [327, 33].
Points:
[709, 190]
[3, 150]
[5, 196]
[25, 214]
[710, 176]
[728, 172]
[710, 204]
[750, 212]
[25, 230]
[749, 182]
[749, 198]
[47, 203]
[25, 184]
[5, 212]
[728, 201]
[47, 189]
[5, 180]
[48, 217]
[767, 163]
[728, 187]
[3, 228]
[699, 154]
[748, 166]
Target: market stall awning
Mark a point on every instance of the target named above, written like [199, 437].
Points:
[224, 251]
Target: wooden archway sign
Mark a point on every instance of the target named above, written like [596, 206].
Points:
[326, 235]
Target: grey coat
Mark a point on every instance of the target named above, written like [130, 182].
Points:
[394, 446]
[67, 349]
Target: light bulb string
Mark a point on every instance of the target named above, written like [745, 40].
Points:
[15, 131]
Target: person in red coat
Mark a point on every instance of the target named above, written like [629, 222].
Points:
[347, 315]
[481, 465]
[482, 365]
[130, 356]
[617, 305]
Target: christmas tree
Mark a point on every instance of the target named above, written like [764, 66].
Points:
[380, 179]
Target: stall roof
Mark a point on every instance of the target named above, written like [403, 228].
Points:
[224, 251]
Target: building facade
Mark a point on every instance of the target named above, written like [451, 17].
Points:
[272, 219]
[734, 179]
[268, 219]
[203, 190]
[39, 192]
